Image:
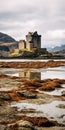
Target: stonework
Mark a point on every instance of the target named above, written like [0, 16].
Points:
[22, 44]
[33, 40]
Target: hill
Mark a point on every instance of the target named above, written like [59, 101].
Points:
[58, 48]
[6, 38]
[62, 52]
[4, 48]
[7, 41]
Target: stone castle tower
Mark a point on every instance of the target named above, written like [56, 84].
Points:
[33, 40]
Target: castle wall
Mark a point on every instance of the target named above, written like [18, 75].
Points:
[33, 40]
[22, 45]
[28, 46]
[36, 42]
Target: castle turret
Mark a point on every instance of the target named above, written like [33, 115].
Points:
[33, 40]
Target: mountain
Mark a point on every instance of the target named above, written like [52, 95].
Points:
[62, 52]
[49, 48]
[6, 40]
[58, 48]
[4, 48]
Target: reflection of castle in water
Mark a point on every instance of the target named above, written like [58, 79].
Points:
[30, 75]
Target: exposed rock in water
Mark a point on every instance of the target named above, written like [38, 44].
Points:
[5, 96]
[2, 127]
[0, 103]
[63, 93]
[32, 64]
[33, 83]
[25, 124]
[41, 121]
[21, 125]
[7, 114]
[27, 94]
[61, 106]
[64, 119]
[44, 85]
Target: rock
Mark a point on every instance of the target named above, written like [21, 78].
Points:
[21, 125]
[33, 83]
[5, 96]
[61, 106]
[0, 103]
[41, 121]
[30, 110]
[7, 114]
[33, 64]
[64, 119]
[12, 127]
[24, 128]
[63, 93]
[24, 123]
[2, 127]
[27, 94]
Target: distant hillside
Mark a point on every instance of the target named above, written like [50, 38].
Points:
[4, 48]
[58, 48]
[6, 40]
[62, 52]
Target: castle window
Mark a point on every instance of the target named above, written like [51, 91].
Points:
[25, 45]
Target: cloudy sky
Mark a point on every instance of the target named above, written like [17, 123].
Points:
[17, 17]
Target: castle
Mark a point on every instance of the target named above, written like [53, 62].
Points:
[33, 41]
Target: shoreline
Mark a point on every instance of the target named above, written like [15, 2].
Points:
[32, 64]
[20, 98]
[16, 90]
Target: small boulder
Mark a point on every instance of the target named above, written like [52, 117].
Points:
[0, 103]
[61, 106]
[64, 119]
[2, 127]
[25, 125]
[27, 94]
[5, 96]
[63, 93]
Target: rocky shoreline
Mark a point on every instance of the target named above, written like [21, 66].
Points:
[29, 64]
[16, 90]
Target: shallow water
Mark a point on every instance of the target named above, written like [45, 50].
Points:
[29, 60]
[56, 92]
[49, 110]
[45, 110]
[43, 73]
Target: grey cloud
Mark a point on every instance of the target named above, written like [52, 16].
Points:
[17, 17]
